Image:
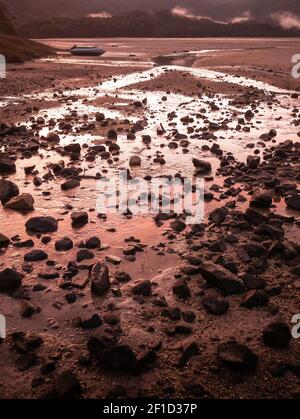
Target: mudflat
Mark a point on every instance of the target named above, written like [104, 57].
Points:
[103, 304]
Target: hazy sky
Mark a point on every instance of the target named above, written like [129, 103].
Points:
[286, 12]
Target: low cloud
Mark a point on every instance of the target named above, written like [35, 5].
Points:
[184, 12]
[287, 20]
[101, 15]
[245, 17]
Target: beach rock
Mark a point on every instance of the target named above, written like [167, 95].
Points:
[218, 215]
[8, 190]
[277, 335]
[52, 137]
[70, 184]
[27, 309]
[221, 278]
[93, 243]
[181, 289]
[253, 282]
[178, 226]
[120, 358]
[255, 217]
[67, 386]
[99, 116]
[189, 349]
[112, 134]
[63, 244]
[142, 288]
[114, 260]
[7, 166]
[135, 161]
[253, 162]
[216, 305]
[255, 250]
[35, 255]
[92, 323]
[237, 357]
[293, 202]
[79, 219]
[100, 281]
[255, 298]
[37, 181]
[10, 280]
[122, 276]
[202, 166]
[84, 254]
[261, 200]
[4, 241]
[42, 224]
[23, 202]
[73, 148]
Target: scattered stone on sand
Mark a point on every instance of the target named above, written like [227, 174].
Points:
[63, 244]
[10, 280]
[67, 386]
[22, 203]
[42, 224]
[135, 161]
[70, 184]
[79, 219]
[53, 137]
[35, 255]
[216, 305]
[202, 167]
[189, 349]
[7, 166]
[4, 241]
[218, 215]
[277, 335]
[293, 202]
[255, 298]
[181, 289]
[222, 278]
[8, 190]
[237, 357]
[114, 260]
[100, 281]
[261, 200]
[142, 288]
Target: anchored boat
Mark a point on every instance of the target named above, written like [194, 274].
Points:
[87, 51]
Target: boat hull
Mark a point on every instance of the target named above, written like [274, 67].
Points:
[87, 52]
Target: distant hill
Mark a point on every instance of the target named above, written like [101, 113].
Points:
[28, 10]
[14, 48]
[6, 27]
[149, 24]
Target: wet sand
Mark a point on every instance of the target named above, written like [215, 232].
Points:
[174, 333]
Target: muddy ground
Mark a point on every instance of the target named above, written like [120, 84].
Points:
[151, 306]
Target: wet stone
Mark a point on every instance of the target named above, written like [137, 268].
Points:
[237, 357]
[277, 335]
[216, 305]
[42, 224]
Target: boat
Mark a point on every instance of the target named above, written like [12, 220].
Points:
[87, 51]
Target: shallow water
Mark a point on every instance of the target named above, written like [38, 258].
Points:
[154, 115]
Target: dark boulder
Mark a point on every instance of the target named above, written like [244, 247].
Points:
[42, 224]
